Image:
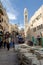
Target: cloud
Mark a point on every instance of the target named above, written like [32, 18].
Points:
[12, 13]
[9, 7]
[12, 16]
[21, 26]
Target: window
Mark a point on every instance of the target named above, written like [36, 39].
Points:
[2, 19]
[33, 21]
[25, 16]
[40, 27]
[1, 27]
[34, 29]
[31, 24]
[38, 17]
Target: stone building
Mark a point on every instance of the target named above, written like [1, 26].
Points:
[13, 27]
[4, 21]
[36, 24]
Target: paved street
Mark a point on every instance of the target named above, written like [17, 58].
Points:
[8, 57]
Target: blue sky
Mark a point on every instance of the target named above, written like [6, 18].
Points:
[15, 9]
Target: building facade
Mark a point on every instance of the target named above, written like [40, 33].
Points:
[13, 27]
[36, 24]
[4, 21]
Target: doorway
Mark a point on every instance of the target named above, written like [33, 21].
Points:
[39, 41]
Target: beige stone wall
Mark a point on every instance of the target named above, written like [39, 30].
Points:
[4, 19]
[36, 21]
[13, 28]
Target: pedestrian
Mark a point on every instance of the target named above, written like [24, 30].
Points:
[9, 41]
[13, 43]
[8, 45]
[4, 43]
[0, 44]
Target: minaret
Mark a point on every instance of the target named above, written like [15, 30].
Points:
[25, 20]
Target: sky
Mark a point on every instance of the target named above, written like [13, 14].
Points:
[15, 9]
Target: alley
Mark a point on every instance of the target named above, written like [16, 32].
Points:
[8, 57]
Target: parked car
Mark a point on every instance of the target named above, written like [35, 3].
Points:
[21, 40]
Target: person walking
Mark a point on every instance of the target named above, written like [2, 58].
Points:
[8, 46]
[4, 43]
[13, 43]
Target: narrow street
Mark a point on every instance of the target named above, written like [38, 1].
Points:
[8, 57]
[21, 32]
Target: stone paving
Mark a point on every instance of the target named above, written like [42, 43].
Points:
[8, 57]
